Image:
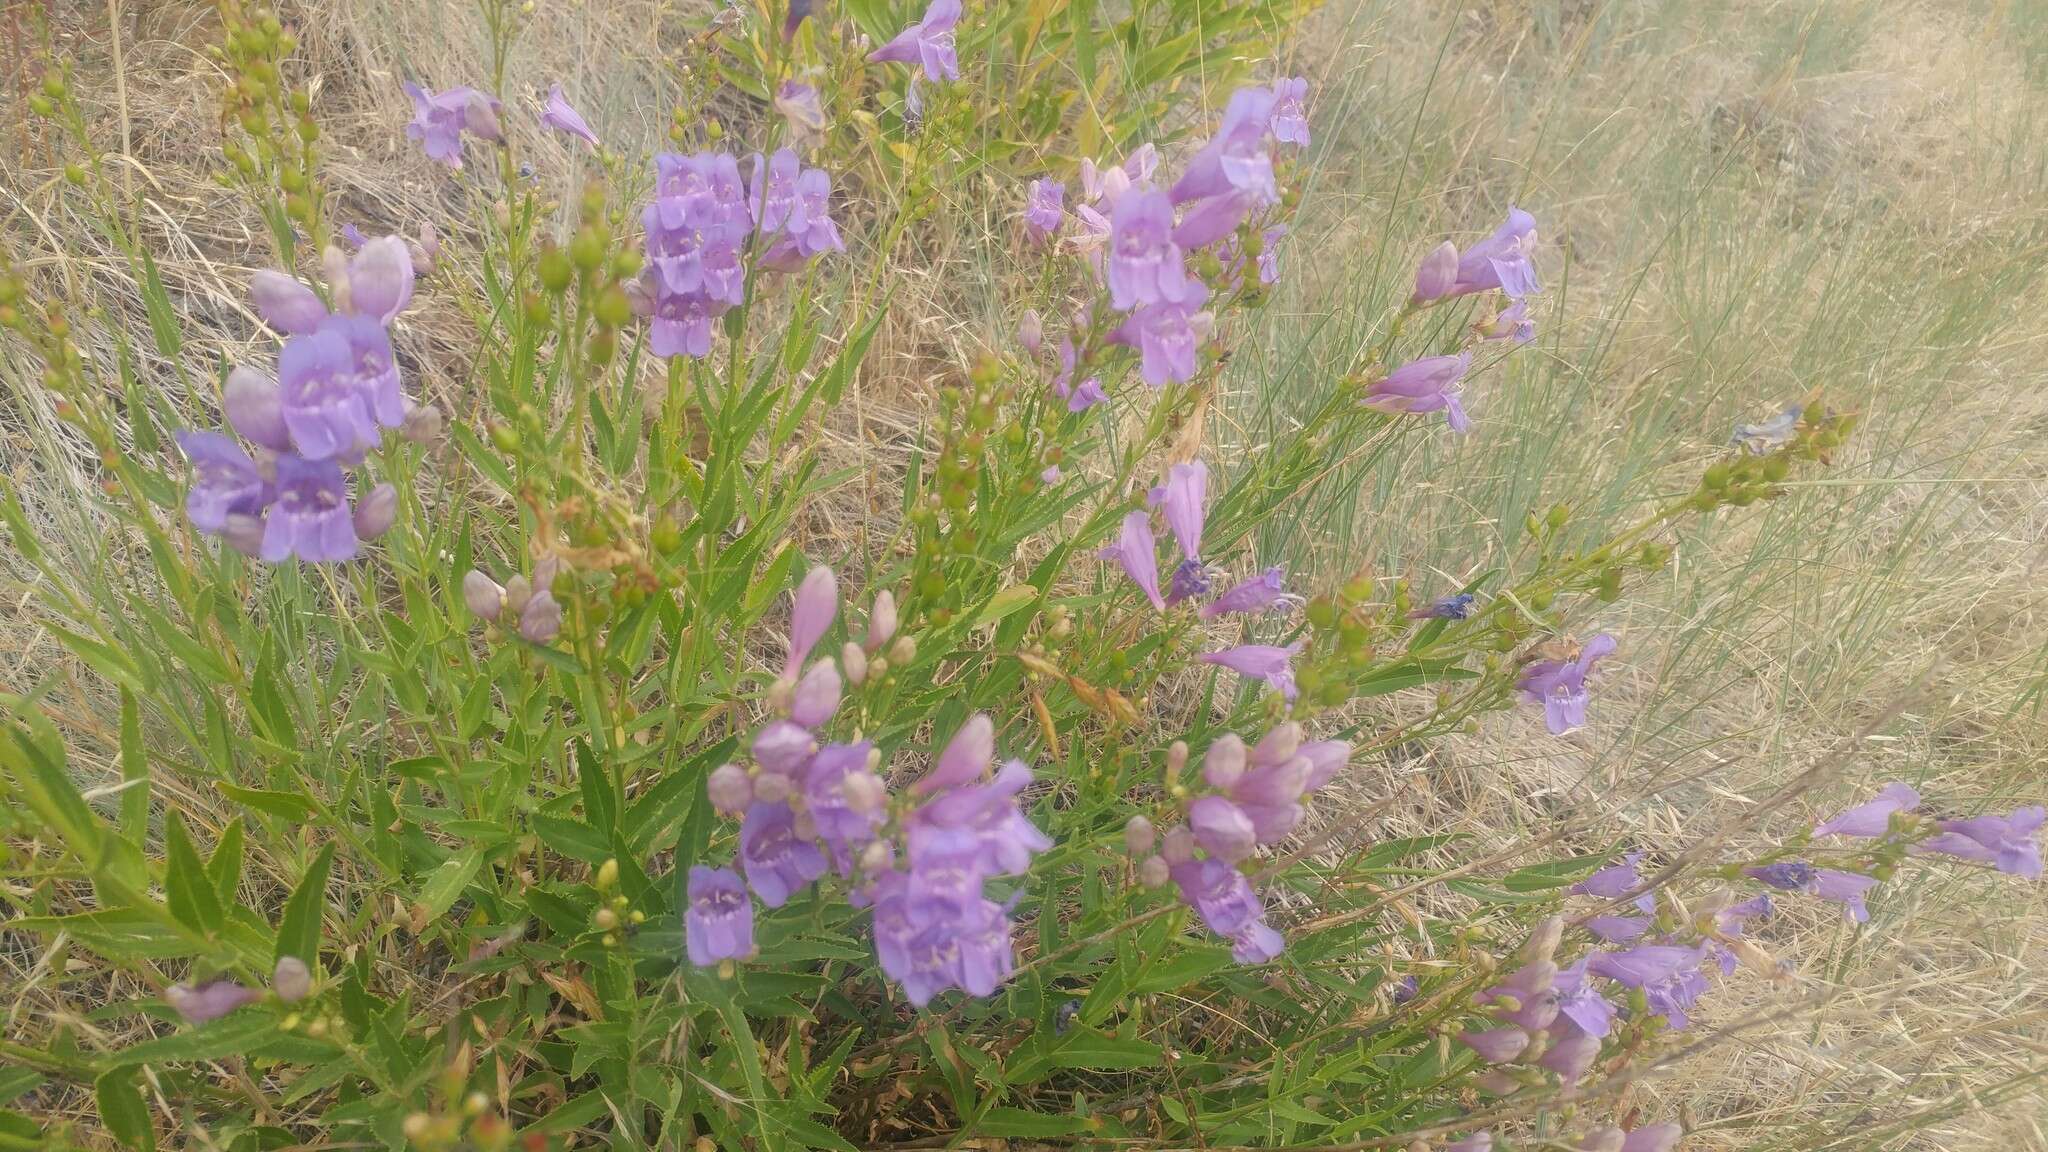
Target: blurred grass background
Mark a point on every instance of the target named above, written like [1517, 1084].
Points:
[1743, 201]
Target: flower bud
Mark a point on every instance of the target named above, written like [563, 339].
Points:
[854, 659]
[1176, 757]
[903, 651]
[243, 533]
[1606, 1138]
[876, 856]
[881, 620]
[424, 424]
[291, 979]
[484, 598]
[1542, 943]
[1031, 332]
[1139, 836]
[729, 789]
[376, 512]
[1178, 847]
[1437, 272]
[541, 620]
[783, 746]
[607, 875]
[771, 787]
[1223, 765]
[255, 409]
[1279, 745]
[817, 695]
[518, 590]
[1153, 873]
[864, 791]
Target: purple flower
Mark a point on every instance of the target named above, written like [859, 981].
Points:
[439, 120]
[1220, 894]
[1426, 385]
[1872, 817]
[929, 946]
[1268, 793]
[1256, 943]
[379, 280]
[1501, 261]
[1269, 255]
[1784, 875]
[284, 302]
[209, 1001]
[541, 619]
[1257, 594]
[966, 757]
[777, 863]
[1674, 997]
[1435, 275]
[799, 11]
[310, 519]
[1235, 160]
[1618, 929]
[1145, 265]
[799, 105]
[1645, 964]
[1407, 989]
[1512, 323]
[1581, 1003]
[718, 924]
[1615, 881]
[1138, 553]
[353, 236]
[1325, 759]
[817, 695]
[225, 482]
[1222, 828]
[557, 114]
[1182, 500]
[1289, 122]
[1268, 662]
[1560, 685]
[811, 612]
[484, 596]
[1008, 839]
[1653, 1138]
[696, 226]
[1168, 338]
[376, 512]
[844, 801]
[1527, 998]
[1044, 208]
[809, 231]
[771, 194]
[1763, 438]
[784, 747]
[729, 789]
[1456, 607]
[1498, 1045]
[2008, 843]
[339, 386]
[1571, 1053]
[927, 43]
[1080, 399]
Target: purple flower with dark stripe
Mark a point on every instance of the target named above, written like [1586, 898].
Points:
[718, 922]
[778, 862]
[1456, 607]
[1266, 590]
[1183, 502]
[339, 387]
[310, 518]
[1045, 208]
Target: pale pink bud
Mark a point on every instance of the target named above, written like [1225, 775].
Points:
[255, 409]
[291, 980]
[881, 621]
[376, 512]
[1139, 836]
[284, 303]
[729, 789]
[484, 597]
[1223, 764]
[1153, 872]
[816, 603]
[1179, 845]
[817, 695]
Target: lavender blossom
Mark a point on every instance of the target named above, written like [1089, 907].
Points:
[310, 519]
[1044, 208]
[1222, 828]
[1560, 685]
[777, 862]
[379, 280]
[1258, 594]
[1645, 964]
[1220, 894]
[1435, 275]
[1653, 1138]
[729, 790]
[1501, 261]
[209, 1001]
[784, 747]
[1268, 662]
[1618, 929]
[696, 226]
[1426, 385]
[225, 483]
[965, 758]
[1168, 338]
[718, 923]
[1182, 501]
[1528, 997]
[817, 695]
[1235, 161]
[557, 114]
[1784, 875]
[1145, 266]
[1138, 552]
[1289, 122]
[2010, 844]
[1498, 1045]
[339, 386]
[843, 799]
[1456, 607]
[1617, 880]
[1571, 1052]
[1008, 840]
[1257, 943]
[927, 43]
[799, 105]
[484, 596]
[1872, 817]
[1513, 323]
[540, 620]
[1082, 398]
[1579, 1002]
[439, 120]
[284, 302]
[812, 610]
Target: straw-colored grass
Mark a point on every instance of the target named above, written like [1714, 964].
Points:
[1744, 200]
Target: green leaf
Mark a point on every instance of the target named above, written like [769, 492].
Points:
[1003, 1120]
[1012, 599]
[134, 772]
[18, 1133]
[298, 931]
[122, 1109]
[600, 802]
[289, 805]
[231, 1036]
[442, 888]
[1089, 1049]
[17, 1082]
[187, 886]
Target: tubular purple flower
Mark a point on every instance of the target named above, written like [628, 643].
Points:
[1289, 120]
[540, 621]
[1268, 662]
[1261, 592]
[557, 114]
[812, 610]
[1645, 964]
[1281, 743]
[1183, 501]
[1235, 159]
[1210, 220]
[1045, 208]
[1872, 817]
[1031, 332]
[1139, 836]
[209, 1001]
[1674, 997]
[284, 303]
[1145, 266]
[1844, 888]
[1618, 929]
[225, 482]
[1502, 260]
[799, 105]
[1497, 1045]
[484, 597]
[718, 923]
[310, 519]
[817, 695]
[1436, 274]
[784, 746]
[881, 621]
[1616, 881]
[799, 11]
[771, 194]
[376, 512]
[1269, 795]
[1219, 893]
[1224, 763]
[339, 385]
[838, 790]
[1653, 1138]
[1325, 759]
[1269, 255]
[1531, 989]
[1512, 323]
[1168, 338]
[1784, 875]
[1426, 385]
[927, 43]
[1560, 685]
[1222, 828]
[440, 119]
[729, 790]
[255, 409]
[1080, 399]
[1581, 1003]
[1571, 1053]
[2010, 844]
[777, 863]
[1008, 838]
[380, 279]
[1256, 943]
[1138, 552]
[965, 759]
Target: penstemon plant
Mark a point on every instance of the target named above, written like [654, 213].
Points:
[517, 767]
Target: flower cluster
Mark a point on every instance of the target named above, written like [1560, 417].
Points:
[1140, 238]
[1255, 801]
[1182, 501]
[528, 602]
[699, 225]
[336, 392]
[920, 861]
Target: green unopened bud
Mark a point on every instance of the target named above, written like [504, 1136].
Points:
[1777, 467]
[554, 269]
[504, 436]
[613, 308]
[75, 174]
[1322, 612]
[1559, 513]
[53, 86]
[607, 875]
[1716, 477]
[587, 249]
[41, 105]
[1609, 589]
[536, 310]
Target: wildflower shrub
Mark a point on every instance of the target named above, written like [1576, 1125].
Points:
[602, 801]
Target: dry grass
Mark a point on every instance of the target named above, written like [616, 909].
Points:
[1754, 197]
